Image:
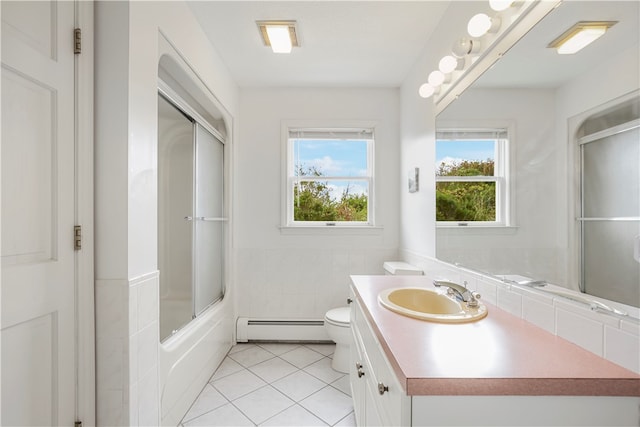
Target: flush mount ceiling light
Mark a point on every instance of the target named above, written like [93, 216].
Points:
[580, 35]
[281, 36]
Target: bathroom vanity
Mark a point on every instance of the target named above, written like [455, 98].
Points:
[500, 370]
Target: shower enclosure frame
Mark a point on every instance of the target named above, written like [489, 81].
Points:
[201, 129]
[584, 212]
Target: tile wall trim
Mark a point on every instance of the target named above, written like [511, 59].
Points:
[153, 275]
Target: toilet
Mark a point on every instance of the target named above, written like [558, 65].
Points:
[337, 321]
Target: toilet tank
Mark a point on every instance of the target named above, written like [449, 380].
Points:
[399, 268]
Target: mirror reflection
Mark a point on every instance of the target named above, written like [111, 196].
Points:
[537, 172]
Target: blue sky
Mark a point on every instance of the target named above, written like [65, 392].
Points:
[349, 158]
[449, 151]
[333, 158]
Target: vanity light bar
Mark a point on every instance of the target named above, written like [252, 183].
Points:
[580, 35]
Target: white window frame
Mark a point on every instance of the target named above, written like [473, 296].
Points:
[502, 171]
[343, 131]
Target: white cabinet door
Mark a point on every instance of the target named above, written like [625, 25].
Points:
[357, 376]
[37, 212]
[372, 415]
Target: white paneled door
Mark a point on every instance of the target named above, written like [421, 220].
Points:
[38, 206]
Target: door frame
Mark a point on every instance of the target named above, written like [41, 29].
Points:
[84, 215]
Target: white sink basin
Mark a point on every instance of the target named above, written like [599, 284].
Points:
[430, 305]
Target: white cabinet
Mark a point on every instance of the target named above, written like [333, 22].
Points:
[378, 397]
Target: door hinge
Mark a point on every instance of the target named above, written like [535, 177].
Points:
[77, 41]
[78, 424]
[77, 237]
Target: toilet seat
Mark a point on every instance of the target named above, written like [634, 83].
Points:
[340, 317]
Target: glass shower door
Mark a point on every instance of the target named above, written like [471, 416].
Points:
[175, 205]
[610, 219]
[209, 220]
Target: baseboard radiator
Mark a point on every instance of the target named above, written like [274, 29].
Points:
[312, 330]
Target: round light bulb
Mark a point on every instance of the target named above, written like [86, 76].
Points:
[426, 90]
[447, 64]
[436, 78]
[500, 5]
[462, 47]
[479, 25]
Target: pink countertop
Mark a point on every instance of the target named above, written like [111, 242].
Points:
[498, 355]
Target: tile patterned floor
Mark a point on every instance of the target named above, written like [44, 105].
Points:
[275, 385]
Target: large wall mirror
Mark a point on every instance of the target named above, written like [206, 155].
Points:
[538, 160]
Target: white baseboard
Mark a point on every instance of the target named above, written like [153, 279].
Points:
[280, 330]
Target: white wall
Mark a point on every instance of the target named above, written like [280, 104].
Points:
[127, 40]
[302, 274]
[417, 211]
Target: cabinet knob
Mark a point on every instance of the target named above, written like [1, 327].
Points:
[349, 300]
[382, 388]
[359, 369]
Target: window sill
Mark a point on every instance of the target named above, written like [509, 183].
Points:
[338, 230]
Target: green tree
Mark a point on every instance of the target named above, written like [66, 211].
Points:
[313, 202]
[466, 201]
[352, 207]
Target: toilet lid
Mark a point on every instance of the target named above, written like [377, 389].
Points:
[339, 315]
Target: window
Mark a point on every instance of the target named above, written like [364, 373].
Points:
[329, 177]
[471, 177]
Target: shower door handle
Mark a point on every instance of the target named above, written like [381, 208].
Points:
[204, 218]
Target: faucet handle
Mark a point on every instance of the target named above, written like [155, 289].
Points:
[473, 301]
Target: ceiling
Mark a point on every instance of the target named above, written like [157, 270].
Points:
[531, 64]
[343, 43]
[375, 43]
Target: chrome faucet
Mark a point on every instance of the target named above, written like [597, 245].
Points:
[460, 292]
[532, 283]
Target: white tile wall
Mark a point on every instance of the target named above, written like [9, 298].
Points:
[631, 326]
[109, 411]
[540, 313]
[509, 301]
[622, 348]
[134, 419]
[143, 355]
[615, 338]
[580, 330]
[488, 290]
[109, 372]
[112, 351]
[127, 350]
[148, 399]
[300, 283]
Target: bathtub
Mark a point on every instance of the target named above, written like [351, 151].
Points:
[189, 358]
